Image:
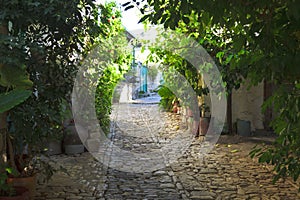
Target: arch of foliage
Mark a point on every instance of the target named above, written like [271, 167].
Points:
[257, 40]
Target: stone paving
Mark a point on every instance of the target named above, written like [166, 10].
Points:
[227, 172]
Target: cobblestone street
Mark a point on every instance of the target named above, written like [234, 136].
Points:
[227, 172]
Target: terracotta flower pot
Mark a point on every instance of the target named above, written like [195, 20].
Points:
[178, 110]
[22, 193]
[195, 128]
[175, 109]
[27, 182]
[204, 124]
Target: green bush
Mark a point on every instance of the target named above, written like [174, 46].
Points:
[167, 97]
[117, 65]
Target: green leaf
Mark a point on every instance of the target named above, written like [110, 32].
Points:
[220, 54]
[157, 15]
[126, 4]
[234, 150]
[229, 58]
[186, 20]
[164, 18]
[144, 18]
[13, 98]
[254, 152]
[184, 7]
[265, 157]
[129, 7]
[14, 76]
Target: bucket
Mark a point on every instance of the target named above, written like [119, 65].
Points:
[243, 127]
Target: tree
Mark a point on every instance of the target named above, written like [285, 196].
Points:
[113, 39]
[41, 49]
[263, 45]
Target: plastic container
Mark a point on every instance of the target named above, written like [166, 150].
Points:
[243, 128]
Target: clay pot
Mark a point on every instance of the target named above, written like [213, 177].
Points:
[22, 193]
[175, 109]
[26, 182]
[204, 124]
[195, 128]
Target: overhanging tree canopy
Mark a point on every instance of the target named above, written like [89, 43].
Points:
[261, 44]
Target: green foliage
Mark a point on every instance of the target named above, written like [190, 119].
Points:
[104, 93]
[167, 97]
[257, 40]
[12, 76]
[284, 155]
[12, 98]
[116, 65]
[6, 189]
[172, 64]
[180, 76]
[43, 42]
[152, 73]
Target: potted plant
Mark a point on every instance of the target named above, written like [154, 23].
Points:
[7, 190]
[15, 88]
[175, 108]
[27, 132]
[22, 149]
[29, 162]
[167, 98]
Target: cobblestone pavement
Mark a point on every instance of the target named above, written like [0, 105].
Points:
[226, 173]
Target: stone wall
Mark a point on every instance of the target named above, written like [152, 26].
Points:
[246, 105]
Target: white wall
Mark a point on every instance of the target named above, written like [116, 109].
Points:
[246, 105]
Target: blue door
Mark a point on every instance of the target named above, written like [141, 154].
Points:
[144, 72]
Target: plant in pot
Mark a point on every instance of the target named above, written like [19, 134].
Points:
[37, 61]
[7, 190]
[27, 155]
[15, 87]
[21, 134]
[167, 98]
[176, 107]
[13, 92]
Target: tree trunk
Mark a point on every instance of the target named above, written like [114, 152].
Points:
[229, 112]
[268, 115]
[3, 130]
